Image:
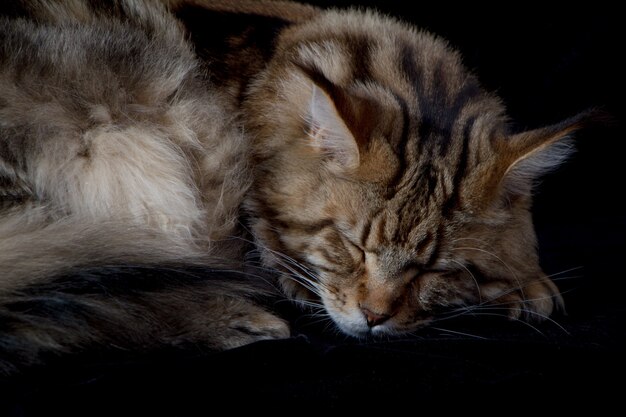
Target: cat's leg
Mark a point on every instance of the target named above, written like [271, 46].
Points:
[69, 286]
[133, 309]
[232, 322]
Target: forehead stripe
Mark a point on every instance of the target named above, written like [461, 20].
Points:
[400, 145]
[453, 201]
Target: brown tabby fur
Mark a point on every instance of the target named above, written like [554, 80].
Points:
[379, 182]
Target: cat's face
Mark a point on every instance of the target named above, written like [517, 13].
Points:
[384, 262]
[387, 188]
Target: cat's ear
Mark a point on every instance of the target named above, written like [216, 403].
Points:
[328, 131]
[531, 154]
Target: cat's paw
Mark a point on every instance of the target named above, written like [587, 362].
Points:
[261, 326]
[252, 325]
[535, 302]
[541, 299]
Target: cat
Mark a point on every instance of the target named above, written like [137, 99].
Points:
[167, 166]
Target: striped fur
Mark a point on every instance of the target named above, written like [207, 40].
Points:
[146, 138]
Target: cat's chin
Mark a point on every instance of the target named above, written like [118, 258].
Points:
[383, 330]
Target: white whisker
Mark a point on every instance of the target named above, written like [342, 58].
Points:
[459, 333]
[480, 297]
[311, 304]
[458, 312]
[297, 272]
[319, 319]
[565, 271]
[501, 261]
[510, 318]
[530, 312]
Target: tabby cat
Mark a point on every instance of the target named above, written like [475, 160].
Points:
[165, 164]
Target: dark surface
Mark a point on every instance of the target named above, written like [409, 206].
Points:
[546, 66]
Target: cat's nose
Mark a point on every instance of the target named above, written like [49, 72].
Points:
[374, 319]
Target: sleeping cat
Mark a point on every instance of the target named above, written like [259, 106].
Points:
[166, 165]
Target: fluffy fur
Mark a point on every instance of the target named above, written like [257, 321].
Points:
[147, 146]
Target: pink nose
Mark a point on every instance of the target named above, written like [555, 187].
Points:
[374, 319]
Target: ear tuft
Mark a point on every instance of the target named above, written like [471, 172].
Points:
[525, 172]
[328, 131]
[534, 153]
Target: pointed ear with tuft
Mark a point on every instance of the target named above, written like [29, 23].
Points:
[531, 154]
[329, 133]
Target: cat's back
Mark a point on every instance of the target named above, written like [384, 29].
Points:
[108, 113]
[81, 53]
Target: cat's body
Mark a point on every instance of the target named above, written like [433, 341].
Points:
[137, 141]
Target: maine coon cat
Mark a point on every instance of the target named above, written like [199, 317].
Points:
[148, 148]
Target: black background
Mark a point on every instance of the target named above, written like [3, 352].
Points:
[546, 65]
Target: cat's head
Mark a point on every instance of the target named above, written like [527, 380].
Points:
[388, 186]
